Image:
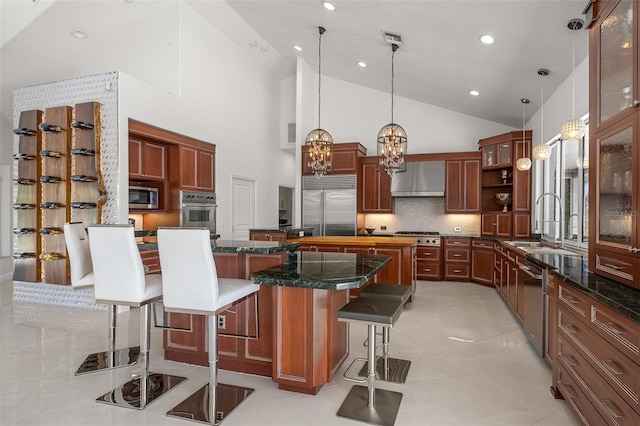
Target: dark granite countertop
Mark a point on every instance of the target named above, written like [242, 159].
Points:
[291, 232]
[235, 246]
[325, 271]
[574, 271]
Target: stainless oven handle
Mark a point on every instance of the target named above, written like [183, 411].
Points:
[527, 270]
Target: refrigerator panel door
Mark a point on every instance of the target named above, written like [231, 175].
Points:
[312, 210]
[340, 212]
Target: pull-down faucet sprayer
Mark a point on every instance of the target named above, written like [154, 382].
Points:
[559, 222]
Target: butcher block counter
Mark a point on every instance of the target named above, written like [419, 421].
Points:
[402, 250]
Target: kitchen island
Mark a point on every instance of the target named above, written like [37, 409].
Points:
[289, 330]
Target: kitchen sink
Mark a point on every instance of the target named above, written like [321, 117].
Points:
[525, 244]
[536, 247]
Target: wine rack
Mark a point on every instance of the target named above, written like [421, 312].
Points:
[58, 181]
[27, 216]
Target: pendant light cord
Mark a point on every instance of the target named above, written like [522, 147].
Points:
[523, 124]
[394, 47]
[573, 74]
[321, 31]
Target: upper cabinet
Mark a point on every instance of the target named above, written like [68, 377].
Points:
[196, 169]
[614, 88]
[147, 160]
[505, 192]
[374, 188]
[344, 158]
[462, 185]
[614, 227]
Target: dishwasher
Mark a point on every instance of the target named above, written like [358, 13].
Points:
[533, 317]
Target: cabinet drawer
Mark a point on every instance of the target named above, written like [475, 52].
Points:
[619, 331]
[427, 270]
[622, 374]
[431, 253]
[456, 255]
[619, 268]
[151, 259]
[578, 302]
[575, 396]
[482, 243]
[456, 271]
[457, 242]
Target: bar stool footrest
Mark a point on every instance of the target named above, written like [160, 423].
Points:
[362, 378]
[196, 406]
[355, 406]
[397, 371]
[107, 360]
[128, 395]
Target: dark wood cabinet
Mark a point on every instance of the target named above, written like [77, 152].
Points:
[147, 160]
[429, 263]
[513, 281]
[462, 186]
[345, 158]
[500, 177]
[482, 261]
[268, 235]
[374, 188]
[457, 259]
[196, 169]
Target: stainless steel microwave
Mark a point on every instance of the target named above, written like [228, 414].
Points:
[143, 198]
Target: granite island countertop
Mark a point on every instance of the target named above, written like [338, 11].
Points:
[574, 270]
[324, 271]
[356, 240]
[235, 246]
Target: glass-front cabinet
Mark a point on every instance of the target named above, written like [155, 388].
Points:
[498, 155]
[616, 59]
[617, 202]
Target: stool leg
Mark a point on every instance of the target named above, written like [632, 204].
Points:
[213, 367]
[112, 335]
[145, 336]
[385, 352]
[371, 359]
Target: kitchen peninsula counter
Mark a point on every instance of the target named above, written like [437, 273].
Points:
[358, 241]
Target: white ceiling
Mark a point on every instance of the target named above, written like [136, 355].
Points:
[440, 61]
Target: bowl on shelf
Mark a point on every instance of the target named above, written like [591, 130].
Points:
[369, 230]
[504, 199]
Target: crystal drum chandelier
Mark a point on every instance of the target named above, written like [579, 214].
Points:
[573, 130]
[543, 151]
[523, 164]
[392, 139]
[319, 142]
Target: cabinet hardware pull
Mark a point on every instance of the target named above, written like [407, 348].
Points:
[570, 360]
[570, 391]
[570, 328]
[457, 255]
[611, 326]
[607, 405]
[571, 299]
[612, 266]
[457, 271]
[634, 104]
[610, 365]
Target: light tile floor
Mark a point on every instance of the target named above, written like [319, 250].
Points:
[471, 365]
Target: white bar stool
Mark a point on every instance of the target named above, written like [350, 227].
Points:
[388, 369]
[79, 254]
[120, 280]
[191, 285]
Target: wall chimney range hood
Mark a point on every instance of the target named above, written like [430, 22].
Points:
[422, 179]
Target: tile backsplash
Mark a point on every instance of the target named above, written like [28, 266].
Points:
[424, 214]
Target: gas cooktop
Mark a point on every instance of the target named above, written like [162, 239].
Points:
[424, 238]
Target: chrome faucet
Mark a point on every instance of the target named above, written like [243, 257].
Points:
[559, 222]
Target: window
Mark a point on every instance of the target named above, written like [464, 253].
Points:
[563, 195]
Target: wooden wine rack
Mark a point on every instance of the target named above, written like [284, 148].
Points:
[54, 194]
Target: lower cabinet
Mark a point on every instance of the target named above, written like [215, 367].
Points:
[457, 259]
[429, 263]
[268, 235]
[513, 281]
[151, 259]
[482, 261]
[597, 365]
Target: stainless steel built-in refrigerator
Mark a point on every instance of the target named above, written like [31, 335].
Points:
[329, 204]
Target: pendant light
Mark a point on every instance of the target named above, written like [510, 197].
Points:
[319, 142]
[523, 164]
[543, 151]
[573, 130]
[392, 139]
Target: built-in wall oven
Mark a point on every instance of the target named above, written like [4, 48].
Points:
[534, 315]
[198, 209]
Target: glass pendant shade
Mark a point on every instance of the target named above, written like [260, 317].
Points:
[392, 148]
[572, 130]
[319, 143]
[523, 164]
[541, 152]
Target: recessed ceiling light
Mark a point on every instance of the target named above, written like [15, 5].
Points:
[486, 39]
[328, 5]
[474, 92]
[362, 64]
[79, 34]
[298, 48]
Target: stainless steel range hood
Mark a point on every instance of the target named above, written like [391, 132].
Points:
[422, 179]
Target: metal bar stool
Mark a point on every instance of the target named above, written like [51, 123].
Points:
[120, 280]
[388, 369]
[187, 262]
[368, 404]
[77, 241]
